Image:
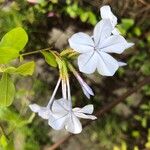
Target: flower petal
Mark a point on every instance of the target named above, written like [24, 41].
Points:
[84, 116]
[107, 65]
[35, 108]
[73, 124]
[121, 64]
[87, 62]
[86, 93]
[57, 121]
[81, 42]
[42, 111]
[60, 106]
[102, 31]
[116, 31]
[85, 87]
[88, 109]
[115, 44]
[106, 13]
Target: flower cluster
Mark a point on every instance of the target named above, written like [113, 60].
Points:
[59, 112]
[94, 54]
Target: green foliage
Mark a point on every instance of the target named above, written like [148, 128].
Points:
[145, 69]
[137, 31]
[7, 54]
[108, 128]
[74, 11]
[14, 120]
[17, 129]
[146, 90]
[3, 141]
[16, 38]
[12, 17]
[50, 58]
[7, 90]
[26, 69]
[125, 25]
[11, 44]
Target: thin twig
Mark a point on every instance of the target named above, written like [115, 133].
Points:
[105, 109]
[35, 52]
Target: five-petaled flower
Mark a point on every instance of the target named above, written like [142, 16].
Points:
[64, 117]
[61, 116]
[95, 50]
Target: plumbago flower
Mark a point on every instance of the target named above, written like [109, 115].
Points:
[94, 51]
[106, 13]
[63, 116]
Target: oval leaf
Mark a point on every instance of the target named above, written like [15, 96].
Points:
[26, 69]
[7, 54]
[7, 91]
[16, 38]
[50, 59]
[12, 43]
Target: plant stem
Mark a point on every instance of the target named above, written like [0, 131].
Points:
[35, 52]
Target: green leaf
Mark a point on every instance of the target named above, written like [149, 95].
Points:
[13, 118]
[50, 59]
[127, 23]
[9, 70]
[16, 38]
[3, 141]
[26, 69]
[84, 16]
[7, 54]
[137, 31]
[145, 69]
[11, 44]
[92, 18]
[7, 91]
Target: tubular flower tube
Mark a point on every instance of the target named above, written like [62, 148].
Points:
[45, 111]
[85, 87]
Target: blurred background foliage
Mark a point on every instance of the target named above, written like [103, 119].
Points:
[50, 24]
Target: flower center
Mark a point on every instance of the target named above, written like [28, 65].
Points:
[96, 48]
